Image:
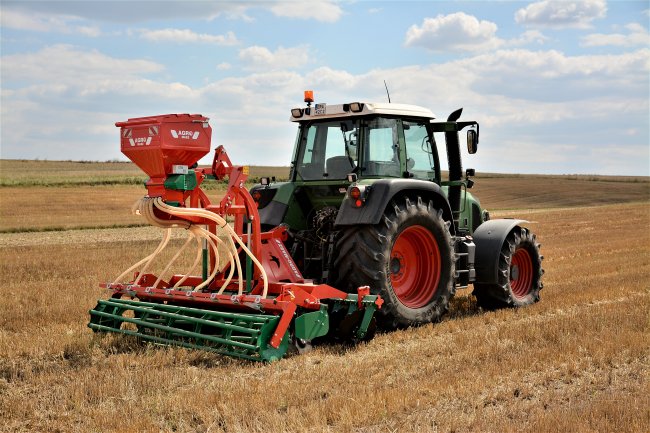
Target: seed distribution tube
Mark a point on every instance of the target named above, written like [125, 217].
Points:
[145, 207]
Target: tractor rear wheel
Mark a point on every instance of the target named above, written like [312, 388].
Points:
[408, 259]
[520, 274]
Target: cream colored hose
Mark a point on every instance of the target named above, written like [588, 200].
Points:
[221, 224]
[145, 207]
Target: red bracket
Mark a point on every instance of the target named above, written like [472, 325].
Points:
[361, 293]
[221, 164]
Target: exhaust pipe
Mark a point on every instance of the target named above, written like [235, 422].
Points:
[455, 164]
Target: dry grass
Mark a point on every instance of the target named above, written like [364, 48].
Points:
[25, 208]
[543, 192]
[60, 195]
[44, 173]
[64, 208]
[32, 173]
[579, 361]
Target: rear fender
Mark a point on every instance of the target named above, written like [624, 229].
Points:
[380, 195]
[489, 238]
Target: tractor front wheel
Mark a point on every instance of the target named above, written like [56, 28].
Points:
[408, 259]
[519, 274]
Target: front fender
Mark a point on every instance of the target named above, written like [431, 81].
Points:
[489, 238]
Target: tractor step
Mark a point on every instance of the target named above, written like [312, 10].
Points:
[240, 335]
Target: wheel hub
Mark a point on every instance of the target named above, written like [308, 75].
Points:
[514, 272]
[396, 264]
[415, 266]
[521, 273]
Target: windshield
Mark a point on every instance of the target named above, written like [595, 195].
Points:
[328, 150]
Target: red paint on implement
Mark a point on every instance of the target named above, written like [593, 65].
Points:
[155, 143]
[415, 266]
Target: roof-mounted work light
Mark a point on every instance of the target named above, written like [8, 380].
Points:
[356, 107]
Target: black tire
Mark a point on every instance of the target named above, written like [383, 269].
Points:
[414, 291]
[520, 273]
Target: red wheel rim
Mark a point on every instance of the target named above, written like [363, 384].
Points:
[521, 273]
[415, 266]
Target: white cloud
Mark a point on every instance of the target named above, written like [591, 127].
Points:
[328, 78]
[188, 36]
[555, 105]
[21, 21]
[142, 11]
[637, 35]
[65, 64]
[528, 37]
[40, 22]
[224, 66]
[462, 32]
[457, 31]
[136, 11]
[91, 31]
[562, 14]
[542, 107]
[320, 10]
[257, 57]
[554, 64]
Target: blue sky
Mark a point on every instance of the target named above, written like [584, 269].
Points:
[558, 86]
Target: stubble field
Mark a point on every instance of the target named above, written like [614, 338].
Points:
[578, 361]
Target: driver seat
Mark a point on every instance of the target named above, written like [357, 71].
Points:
[338, 167]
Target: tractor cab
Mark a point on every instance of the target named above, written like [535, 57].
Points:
[350, 161]
[339, 146]
[368, 140]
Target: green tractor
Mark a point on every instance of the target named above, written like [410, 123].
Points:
[366, 204]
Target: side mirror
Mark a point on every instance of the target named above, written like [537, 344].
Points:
[472, 141]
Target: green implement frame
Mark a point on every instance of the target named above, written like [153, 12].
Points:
[242, 335]
[235, 334]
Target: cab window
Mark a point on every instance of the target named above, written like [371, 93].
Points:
[328, 150]
[420, 160]
[381, 149]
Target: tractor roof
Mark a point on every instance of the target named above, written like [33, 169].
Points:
[325, 111]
